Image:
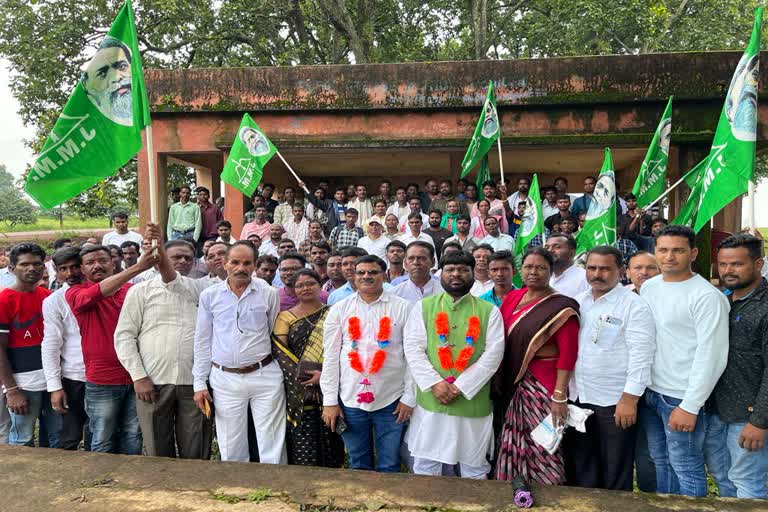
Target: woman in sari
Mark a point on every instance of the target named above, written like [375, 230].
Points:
[297, 344]
[477, 228]
[542, 342]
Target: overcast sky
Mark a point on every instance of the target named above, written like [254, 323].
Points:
[16, 156]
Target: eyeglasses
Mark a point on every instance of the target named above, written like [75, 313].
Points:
[362, 273]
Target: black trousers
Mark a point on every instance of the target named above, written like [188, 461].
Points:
[74, 422]
[603, 457]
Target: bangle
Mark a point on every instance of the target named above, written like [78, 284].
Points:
[559, 392]
[563, 401]
[11, 389]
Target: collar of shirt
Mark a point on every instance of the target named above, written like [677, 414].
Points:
[611, 297]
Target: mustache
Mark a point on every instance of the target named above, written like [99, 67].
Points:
[597, 280]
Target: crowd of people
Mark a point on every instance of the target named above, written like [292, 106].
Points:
[338, 329]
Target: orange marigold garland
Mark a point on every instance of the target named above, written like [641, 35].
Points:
[444, 354]
[379, 357]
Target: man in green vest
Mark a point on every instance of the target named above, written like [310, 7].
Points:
[454, 343]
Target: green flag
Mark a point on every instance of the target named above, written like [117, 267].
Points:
[600, 222]
[532, 224]
[693, 178]
[483, 175]
[487, 131]
[731, 161]
[250, 152]
[651, 179]
[99, 129]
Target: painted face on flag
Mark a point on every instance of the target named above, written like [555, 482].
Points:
[665, 135]
[604, 195]
[107, 81]
[528, 222]
[256, 142]
[491, 123]
[741, 101]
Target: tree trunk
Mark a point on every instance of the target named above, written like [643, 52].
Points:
[479, 20]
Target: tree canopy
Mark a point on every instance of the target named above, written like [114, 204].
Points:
[47, 41]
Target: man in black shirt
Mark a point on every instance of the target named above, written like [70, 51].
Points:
[736, 432]
[564, 212]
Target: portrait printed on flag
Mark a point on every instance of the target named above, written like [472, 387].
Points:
[665, 135]
[741, 101]
[107, 81]
[604, 195]
[530, 217]
[255, 141]
[491, 122]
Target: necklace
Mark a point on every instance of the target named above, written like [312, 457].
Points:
[377, 361]
[444, 353]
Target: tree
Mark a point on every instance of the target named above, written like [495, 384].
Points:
[14, 209]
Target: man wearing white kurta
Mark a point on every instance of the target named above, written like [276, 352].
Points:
[453, 419]
[233, 349]
[375, 400]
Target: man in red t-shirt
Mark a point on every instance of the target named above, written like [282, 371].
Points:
[21, 334]
[110, 400]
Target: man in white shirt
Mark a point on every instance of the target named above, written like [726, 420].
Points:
[549, 204]
[275, 236]
[233, 349]
[691, 319]
[419, 260]
[616, 347]
[414, 232]
[362, 204]
[483, 282]
[297, 228]
[521, 194]
[121, 233]
[62, 352]
[496, 239]
[374, 243]
[453, 420]
[364, 367]
[400, 207]
[567, 278]
[154, 341]
[414, 203]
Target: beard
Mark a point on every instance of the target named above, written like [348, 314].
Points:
[122, 104]
[457, 290]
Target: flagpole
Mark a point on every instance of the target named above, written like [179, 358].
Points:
[751, 207]
[664, 194]
[153, 216]
[277, 151]
[501, 162]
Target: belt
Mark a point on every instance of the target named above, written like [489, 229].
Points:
[246, 369]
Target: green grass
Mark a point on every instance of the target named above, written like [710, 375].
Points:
[49, 223]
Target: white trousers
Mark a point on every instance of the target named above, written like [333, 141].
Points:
[435, 468]
[5, 420]
[263, 391]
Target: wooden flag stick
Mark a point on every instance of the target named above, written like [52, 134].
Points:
[664, 194]
[277, 151]
[153, 215]
[501, 162]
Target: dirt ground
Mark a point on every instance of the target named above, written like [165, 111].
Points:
[38, 479]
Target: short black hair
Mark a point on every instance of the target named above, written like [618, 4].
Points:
[224, 223]
[371, 258]
[66, 254]
[286, 240]
[170, 244]
[357, 252]
[351, 210]
[395, 243]
[417, 198]
[524, 178]
[458, 258]
[270, 185]
[751, 243]
[453, 244]
[129, 243]
[90, 248]
[464, 216]
[424, 245]
[561, 178]
[202, 189]
[489, 183]
[571, 242]
[293, 256]
[639, 253]
[436, 210]
[415, 215]
[266, 258]
[322, 244]
[120, 215]
[502, 256]
[607, 250]
[380, 200]
[243, 243]
[629, 196]
[26, 248]
[679, 231]
[539, 251]
[593, 178]
[486, 247]
[660, 219]
[289, 187]
[255, 195]
[59, 243]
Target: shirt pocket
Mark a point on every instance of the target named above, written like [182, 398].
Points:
[253, 317]
[609, 335]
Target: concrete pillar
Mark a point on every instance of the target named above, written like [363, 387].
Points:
[234, 209]
[203, 179]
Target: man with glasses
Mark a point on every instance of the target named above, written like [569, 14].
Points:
[290, 264]
[365, 379]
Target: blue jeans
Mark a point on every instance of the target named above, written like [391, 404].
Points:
[678, 456]
[739, 473]
[22, 431]
[113, 421]
[379, 426]
[178, 235]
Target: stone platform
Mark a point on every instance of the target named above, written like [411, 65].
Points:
[41, 480]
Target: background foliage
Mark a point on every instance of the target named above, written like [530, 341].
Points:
[47, 41]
